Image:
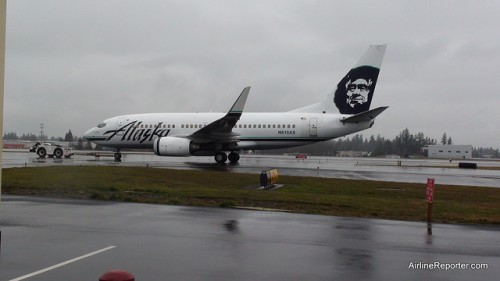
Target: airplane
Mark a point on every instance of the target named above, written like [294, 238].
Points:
[344, 111]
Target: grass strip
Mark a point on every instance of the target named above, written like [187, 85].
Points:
[310, 195]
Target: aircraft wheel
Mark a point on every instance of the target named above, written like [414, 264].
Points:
[220, 157]
[118, 157]
[234, 157]
[42, 152]
[58, 153]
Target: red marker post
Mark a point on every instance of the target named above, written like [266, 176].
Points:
[117, 275]
[430, 198]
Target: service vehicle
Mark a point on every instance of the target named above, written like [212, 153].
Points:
[51, 150]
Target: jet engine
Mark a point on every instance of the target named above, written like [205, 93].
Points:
[174, 146]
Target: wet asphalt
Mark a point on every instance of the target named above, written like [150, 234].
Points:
[52, 239]
[55, 239]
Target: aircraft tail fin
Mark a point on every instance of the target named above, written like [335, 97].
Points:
[355, 91]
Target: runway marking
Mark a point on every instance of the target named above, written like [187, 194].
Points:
[62, 264]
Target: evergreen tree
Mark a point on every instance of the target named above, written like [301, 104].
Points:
[10, 136]
[444, 139]
[80, 144]
[69, 136]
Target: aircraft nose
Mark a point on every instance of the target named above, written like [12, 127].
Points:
[89, 134]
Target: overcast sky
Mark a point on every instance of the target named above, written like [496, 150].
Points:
[71, 64]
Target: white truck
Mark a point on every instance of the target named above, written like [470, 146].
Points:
[51, 150]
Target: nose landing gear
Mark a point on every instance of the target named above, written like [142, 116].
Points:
[117, 156]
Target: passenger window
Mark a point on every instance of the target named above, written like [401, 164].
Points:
[279, 126]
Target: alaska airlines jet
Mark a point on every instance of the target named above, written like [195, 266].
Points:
[344, 111]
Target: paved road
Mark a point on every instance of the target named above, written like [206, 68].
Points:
[157, 242]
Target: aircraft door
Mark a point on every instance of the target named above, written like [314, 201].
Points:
[120, 123]
[313, 127]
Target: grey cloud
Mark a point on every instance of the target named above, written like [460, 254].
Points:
[105, 58]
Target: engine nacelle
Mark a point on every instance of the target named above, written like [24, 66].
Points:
[173, 146]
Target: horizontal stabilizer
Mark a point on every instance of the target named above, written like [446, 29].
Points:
[364, 116]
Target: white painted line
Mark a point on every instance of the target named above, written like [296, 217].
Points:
[62, 264]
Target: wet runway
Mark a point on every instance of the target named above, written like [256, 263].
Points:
[50, 239]
[411, 170]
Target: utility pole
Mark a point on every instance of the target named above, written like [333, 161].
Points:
[3, 11]
[41, 132]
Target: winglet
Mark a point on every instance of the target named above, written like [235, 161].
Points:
[221, 129]
[239, 104]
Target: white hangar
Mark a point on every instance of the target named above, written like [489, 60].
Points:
[449, 151]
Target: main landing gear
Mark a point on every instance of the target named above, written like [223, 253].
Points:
[221, 157]
[118, 156]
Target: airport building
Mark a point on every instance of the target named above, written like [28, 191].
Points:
[449, 151]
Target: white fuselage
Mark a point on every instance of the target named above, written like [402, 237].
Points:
[184, 134]
[255, 131]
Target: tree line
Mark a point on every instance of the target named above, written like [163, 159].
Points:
[405, 144]
[32, 137]
[74, 141]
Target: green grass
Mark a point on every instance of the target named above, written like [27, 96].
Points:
[311, 195]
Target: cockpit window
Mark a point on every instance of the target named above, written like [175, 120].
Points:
[101, 125]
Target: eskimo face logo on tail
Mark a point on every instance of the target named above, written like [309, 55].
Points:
[355, 91]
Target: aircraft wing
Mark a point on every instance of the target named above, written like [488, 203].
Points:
[221, 129]
[364, 116]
